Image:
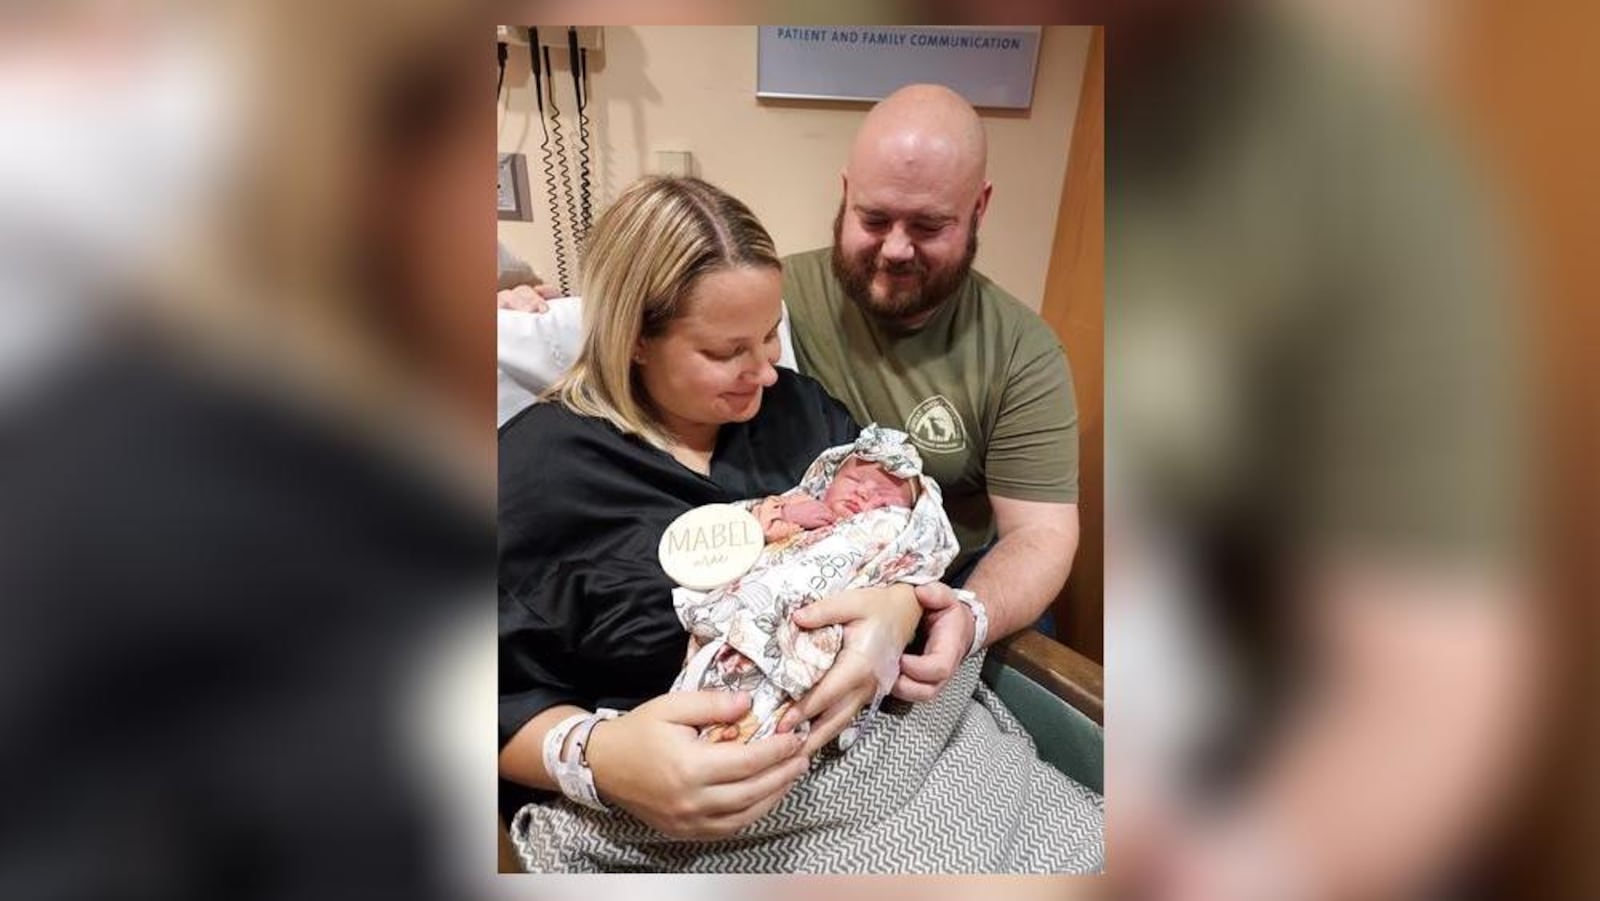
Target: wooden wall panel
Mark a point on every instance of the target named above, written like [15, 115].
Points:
[1074, 307]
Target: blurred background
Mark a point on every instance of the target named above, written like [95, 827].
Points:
[246, 540]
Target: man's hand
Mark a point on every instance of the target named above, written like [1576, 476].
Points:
[950, 630]
[527, 298]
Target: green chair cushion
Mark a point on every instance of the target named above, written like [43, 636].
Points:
[1067, 740]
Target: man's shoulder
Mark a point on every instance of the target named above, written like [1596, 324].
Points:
[808, 277]
[814, 260]
[1002, 306]
[999, 311]
[813, 298]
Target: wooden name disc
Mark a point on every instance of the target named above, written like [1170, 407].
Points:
[710, 546]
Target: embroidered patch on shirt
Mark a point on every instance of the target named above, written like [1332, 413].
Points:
[936, 427]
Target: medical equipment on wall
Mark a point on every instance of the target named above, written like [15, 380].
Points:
[502, 51]
[565, 151]
[580, 89]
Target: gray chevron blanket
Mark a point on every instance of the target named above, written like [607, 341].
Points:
[950, 786]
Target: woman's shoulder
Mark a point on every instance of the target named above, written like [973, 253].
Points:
[537, 419]
[537, 430]
[792, 389]
[798, 405]
[549, 435]
[551, 422]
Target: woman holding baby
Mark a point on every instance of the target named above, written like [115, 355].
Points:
[673, 403]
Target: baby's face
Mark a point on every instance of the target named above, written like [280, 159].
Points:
[860, 485]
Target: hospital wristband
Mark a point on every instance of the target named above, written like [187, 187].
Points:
[555, 740]
[980, 619]
[580, 755]
[571, 770]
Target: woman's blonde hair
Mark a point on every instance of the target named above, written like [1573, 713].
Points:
[638, 266]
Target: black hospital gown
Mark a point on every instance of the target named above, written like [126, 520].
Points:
[586, 612]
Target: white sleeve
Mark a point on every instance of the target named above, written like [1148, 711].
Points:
[785, 344]
[533, 350]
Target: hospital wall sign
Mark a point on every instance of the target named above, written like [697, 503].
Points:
[990, 66]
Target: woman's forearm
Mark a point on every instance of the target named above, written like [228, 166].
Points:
[902, 599]
[522, 759]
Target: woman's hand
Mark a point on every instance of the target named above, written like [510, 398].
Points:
[651, 763]
[878, 624]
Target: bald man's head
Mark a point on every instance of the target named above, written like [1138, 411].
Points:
[914, 195]
[926, 130]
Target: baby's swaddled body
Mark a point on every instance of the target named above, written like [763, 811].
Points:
[864, 516]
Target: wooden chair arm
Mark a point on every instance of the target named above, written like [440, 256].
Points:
[1067, 674]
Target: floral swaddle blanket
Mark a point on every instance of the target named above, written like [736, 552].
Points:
[741, 636]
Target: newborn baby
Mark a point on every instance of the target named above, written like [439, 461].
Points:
[863, 516]
[857, 487]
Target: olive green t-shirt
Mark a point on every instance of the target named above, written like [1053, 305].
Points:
[983, 389]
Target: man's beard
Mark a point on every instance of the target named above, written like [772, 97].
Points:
[929, 287]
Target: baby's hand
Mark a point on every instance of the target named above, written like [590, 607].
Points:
[808, 514]
[777, 530]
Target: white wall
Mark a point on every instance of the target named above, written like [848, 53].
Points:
[693, 88]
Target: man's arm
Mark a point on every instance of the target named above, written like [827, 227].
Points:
[1028, 563]
[1031, 451]
[1016, 580]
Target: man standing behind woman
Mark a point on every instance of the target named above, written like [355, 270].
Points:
[895, 323]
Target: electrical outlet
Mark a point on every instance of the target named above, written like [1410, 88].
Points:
[674, 162]
[512, 188]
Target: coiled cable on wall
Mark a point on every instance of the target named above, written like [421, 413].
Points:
[553, 160]
[580, 89]
[565, 175]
